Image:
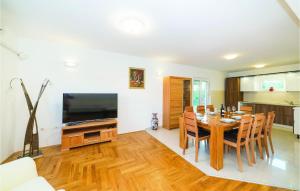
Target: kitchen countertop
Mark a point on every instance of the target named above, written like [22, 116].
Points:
[281, 104]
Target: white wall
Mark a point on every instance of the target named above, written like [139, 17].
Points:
[99, 72]
[8, 69]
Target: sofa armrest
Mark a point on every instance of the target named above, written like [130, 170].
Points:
[15, 173]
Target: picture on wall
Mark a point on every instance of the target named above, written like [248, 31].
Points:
[137, 78]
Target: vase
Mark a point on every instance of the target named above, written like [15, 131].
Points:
[154, 121]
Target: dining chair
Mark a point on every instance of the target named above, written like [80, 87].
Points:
[239, 138]
[255, 136]
[267, 132]
[201, 109]
[246, 109]
[193, 131]
[210, 107]
[189, 108]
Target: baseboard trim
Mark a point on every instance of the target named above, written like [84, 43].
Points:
[283, 127]
[16, 154]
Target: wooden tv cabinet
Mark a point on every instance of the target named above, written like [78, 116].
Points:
[88, 133]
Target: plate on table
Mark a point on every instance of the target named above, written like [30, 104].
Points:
[240, 112]
[212, 113]
[200, 117]
[227, 120]
[236, 117]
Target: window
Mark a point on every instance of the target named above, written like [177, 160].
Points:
[278, 85]
[200, 93]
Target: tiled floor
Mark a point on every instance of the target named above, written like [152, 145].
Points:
[281, 170]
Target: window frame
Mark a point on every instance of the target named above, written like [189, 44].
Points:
[208, 101]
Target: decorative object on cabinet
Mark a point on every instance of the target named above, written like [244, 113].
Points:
[154, 121]
[31, 140]
[137, 78]
[177, 94]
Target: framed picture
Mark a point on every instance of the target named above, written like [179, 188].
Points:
[137, 78]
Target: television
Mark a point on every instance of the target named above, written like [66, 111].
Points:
[80, 107]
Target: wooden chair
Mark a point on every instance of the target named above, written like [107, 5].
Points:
[246, 109]
[201, 109]
[240, 137]
[189, 109]
[267, 132]
[210, 107]
[255, 137]
[192, 130]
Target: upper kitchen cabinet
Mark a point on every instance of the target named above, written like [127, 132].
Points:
[293, 81]
[247, 84]
[278, 82]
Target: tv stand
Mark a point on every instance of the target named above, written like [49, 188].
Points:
[88, 133]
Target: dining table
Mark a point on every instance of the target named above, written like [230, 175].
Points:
[217, 127]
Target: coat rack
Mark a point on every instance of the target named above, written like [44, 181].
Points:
[31, 141]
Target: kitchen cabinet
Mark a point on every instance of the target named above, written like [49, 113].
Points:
[284, 114]
[292, 81]
[247, 84]
[233, 93]
[297, 121]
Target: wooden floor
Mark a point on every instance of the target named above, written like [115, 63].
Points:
[136, 161]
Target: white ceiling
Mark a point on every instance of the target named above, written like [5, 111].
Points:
[194, 32]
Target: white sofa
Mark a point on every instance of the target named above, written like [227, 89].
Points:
[21, 175]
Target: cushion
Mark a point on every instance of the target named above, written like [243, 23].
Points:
[232, 136]
[35, 184]
[201, 133]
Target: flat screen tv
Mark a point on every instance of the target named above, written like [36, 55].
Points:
[80, 107]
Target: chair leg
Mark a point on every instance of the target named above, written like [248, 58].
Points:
[185, 144]
[266, 145]
[239, 160]
[260, 148]
[248, 154]
[197, 150]
[252, 151]
[271, 143]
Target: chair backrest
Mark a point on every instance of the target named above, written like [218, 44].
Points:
[258, 124]
[201, 109]
[246, 109]
[210, 107]
[189, 109]
[269, 123]
[245, 128]
[190, 122]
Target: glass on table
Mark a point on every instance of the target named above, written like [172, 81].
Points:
[233, 109]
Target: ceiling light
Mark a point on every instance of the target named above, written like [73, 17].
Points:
[231, 56]
[259, 65]
[132, 26]
[70, 64]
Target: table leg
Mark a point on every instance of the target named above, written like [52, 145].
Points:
[216, 147]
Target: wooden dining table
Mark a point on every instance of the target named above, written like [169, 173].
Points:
[217, 130]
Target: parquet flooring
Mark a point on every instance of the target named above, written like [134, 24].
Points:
[136, 161]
